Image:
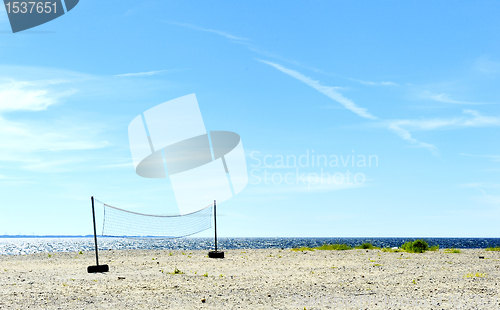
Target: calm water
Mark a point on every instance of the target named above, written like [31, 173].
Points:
[16, 246]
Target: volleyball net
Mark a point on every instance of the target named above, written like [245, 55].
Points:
[124, 223]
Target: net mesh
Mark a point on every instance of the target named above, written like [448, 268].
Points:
[122, 223]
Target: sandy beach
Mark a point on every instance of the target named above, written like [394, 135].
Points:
[252, 279]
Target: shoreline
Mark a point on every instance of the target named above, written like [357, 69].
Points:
[15, 246]
[252, 279]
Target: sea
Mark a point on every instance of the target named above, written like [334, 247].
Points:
[21, 245]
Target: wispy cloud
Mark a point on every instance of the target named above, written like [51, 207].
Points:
[54, 136]
[330, 92]
[30, 95]
[8, 180]
[35, 144]
[403, 128]
[4, 177]
[486, 65]
[218, 32]
[480, 185]
[471, 118]
[383, 83]
[262, 51]
[149, 73]
[485, 197]
[128, 165]
[444, 97]
[488, 198]
[491, 157]
[54, 166]
[397, 128]
[479, 120]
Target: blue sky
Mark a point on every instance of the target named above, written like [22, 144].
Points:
[414, 85]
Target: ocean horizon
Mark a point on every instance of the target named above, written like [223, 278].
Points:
[24, 244]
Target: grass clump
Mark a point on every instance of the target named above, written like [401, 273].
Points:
[452, 250]
[417, 246]
[476, 275]
[391, 250]
[334, 247]
[205, 274]
[493, 248]
[366, 246]
[302, 249]
[434, 248]
[324, 247]
[176, 271]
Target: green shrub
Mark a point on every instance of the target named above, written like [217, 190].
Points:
[366, 246]
[417, 246]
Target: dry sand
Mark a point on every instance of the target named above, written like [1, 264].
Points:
[252, 279]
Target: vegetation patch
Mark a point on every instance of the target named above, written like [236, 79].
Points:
[176, 271]
[452, 250]
[391, 250]
[475, 275]
[324, 247]
[417, 246]
[334, 247]
[367, 246]
[302, 249]
[493, 248]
